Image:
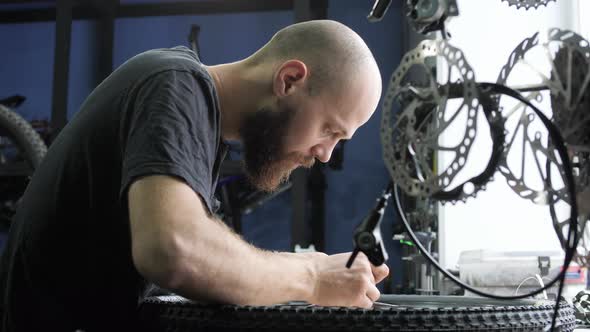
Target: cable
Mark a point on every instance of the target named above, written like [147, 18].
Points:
[426, 254]
[536, 277]
[572, 238]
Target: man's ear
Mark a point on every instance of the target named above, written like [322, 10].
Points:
[289, 77]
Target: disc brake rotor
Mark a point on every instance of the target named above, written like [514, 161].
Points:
[521, 122]
[565, 76]
[570, 102]
[527, 4]
[411, 139]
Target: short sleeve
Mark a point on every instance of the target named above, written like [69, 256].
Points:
[169, 129]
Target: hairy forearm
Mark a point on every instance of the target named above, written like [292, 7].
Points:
[213, 263]
[178, 246]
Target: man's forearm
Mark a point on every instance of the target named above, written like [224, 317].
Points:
[215, 264]
[178, 246]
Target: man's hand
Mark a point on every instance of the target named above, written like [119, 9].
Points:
[179, 247]
[336, 285]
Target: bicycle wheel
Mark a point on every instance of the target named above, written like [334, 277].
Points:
[21, 151]
[27, 140]
[397, 313]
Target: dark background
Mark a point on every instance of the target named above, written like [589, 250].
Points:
[27, 64]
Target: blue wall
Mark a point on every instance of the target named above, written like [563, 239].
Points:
[26, 67]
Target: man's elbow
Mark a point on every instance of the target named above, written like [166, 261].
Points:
[160, 261]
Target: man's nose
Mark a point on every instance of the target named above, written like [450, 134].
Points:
[324, 151]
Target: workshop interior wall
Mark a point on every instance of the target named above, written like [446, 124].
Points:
[26, 67]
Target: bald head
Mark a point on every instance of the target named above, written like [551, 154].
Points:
[313, 84]
[332, 52]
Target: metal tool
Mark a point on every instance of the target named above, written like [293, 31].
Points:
[367, 236]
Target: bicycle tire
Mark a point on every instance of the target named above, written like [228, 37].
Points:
[404, 313]
[25, 137]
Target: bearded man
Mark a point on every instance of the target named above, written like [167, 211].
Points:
[125, 196]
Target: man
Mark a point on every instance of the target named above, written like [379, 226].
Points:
[124, 197]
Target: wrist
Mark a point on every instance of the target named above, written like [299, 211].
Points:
[311, 272]
[304, 278]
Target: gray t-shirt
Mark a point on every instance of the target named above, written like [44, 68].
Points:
[67, 264]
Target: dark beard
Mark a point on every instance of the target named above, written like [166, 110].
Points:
[263, 136]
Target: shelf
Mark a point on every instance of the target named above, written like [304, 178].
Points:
[95, 10]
